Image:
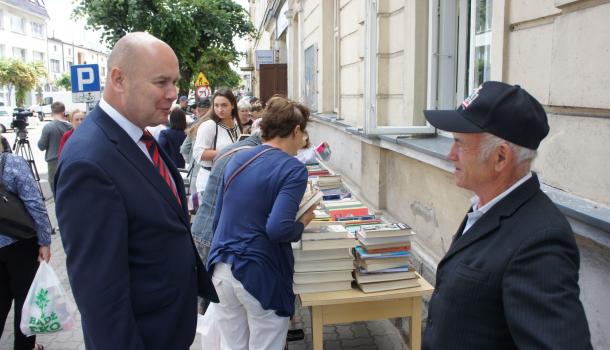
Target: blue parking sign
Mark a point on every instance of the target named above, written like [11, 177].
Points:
[85, 79]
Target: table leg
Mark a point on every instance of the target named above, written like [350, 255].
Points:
[415, 324]
[317, 326]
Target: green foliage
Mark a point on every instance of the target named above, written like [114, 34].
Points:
[64, 81]
[20, 75]
[216, 66]
[199, 31]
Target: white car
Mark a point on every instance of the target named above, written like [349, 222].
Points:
[6, 118]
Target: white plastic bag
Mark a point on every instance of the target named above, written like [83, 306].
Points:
[47, 308]
[210, 334]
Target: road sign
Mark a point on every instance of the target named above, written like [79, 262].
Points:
[85, 79]
[204, 91]
[202, 80]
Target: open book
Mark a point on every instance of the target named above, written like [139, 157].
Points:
[310, 199]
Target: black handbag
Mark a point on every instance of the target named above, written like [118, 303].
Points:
[15, 221]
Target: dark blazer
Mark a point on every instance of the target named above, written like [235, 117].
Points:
[171, 140]
[511, 281]
[131, 261]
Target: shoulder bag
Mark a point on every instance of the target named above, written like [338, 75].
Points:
[15, 221]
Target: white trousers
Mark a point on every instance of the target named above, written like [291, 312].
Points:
[242, 322]
[202, 179]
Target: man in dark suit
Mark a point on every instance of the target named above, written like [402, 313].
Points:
[510, 277]
[122, 211]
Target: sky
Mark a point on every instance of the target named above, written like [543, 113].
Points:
[62, 26]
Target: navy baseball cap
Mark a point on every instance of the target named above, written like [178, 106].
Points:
[504, 110]
[204, 102]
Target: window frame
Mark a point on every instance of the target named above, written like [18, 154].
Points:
[371, 63]
[22, 21]
[52, 63]
[34, 33]
[42, 56]
[465, 45]
[23, 53]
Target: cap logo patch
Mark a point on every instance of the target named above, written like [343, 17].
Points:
[473, 96]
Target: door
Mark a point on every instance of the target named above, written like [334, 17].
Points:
[273, 80]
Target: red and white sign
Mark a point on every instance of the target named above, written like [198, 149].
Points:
[204, 91]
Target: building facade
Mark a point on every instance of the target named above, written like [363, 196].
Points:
[23, 35]
[368, 68]
[62, 55]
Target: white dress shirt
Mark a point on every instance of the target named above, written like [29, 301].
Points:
[478, 212]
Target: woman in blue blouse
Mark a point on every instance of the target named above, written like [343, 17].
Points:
[19, 258]
[251, 254]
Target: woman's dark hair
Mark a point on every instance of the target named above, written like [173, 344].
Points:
[228, 94]
[281, 116]
[177, 119]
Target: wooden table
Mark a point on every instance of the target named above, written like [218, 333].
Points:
[354, 305]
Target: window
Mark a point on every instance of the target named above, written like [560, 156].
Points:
[37, 30]
[394, 51]
[459, 50]
[69, 64]
[18, 24]
[482, 42]
[38, 56]
[103, 71]
[54, 66]
[1, 50]
[19, 53]
[54, 48]
[1, 19]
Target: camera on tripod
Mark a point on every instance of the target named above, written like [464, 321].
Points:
[20, 121]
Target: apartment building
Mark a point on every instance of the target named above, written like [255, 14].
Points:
[23, 35]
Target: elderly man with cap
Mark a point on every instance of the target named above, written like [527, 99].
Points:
[510, 277]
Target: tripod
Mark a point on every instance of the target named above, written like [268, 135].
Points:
[22, 148]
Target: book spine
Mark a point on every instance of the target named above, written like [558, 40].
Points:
[387, 250]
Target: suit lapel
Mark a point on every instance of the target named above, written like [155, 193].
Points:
[490, 221]
[145, 167]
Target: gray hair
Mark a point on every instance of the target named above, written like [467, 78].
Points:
[489, 143]
[243, 104]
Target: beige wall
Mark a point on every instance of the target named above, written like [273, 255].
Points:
[558, 55]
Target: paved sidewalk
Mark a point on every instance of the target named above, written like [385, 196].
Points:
[379, 334]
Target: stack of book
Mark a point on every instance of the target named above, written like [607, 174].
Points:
[317, 170]
[329, 182]
[345, 208]
[382, 258]
[323, 262]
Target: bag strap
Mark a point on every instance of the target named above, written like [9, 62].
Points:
[241, 168]
[224, 155]
[215, 137]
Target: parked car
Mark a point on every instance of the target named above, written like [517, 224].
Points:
[6, 118]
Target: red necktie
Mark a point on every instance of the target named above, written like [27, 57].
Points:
[153, 150]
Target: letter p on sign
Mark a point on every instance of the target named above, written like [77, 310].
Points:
[82, 81]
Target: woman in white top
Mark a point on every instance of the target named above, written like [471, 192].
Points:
[221, 130]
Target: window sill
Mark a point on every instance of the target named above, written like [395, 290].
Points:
[433, 151]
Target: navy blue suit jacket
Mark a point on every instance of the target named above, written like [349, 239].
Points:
[511, 281]
[131, 261]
